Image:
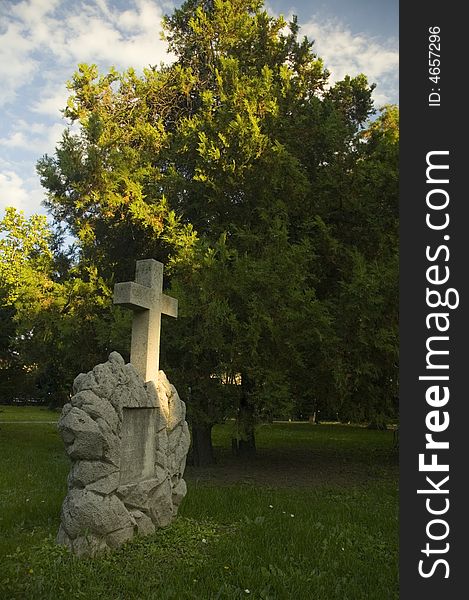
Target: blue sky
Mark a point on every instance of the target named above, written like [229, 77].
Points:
[42, 41]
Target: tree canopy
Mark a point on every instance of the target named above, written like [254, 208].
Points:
[271, 197]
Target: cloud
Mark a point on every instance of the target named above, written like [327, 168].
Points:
[52, 101]
[15, 140]
[41, 44]
[22, 194]
[94, 40]
[33, 11]
[16, 62]
[58, 34]
[38, 138]
[347, 54]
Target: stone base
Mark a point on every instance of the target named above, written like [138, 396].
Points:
[127, 463]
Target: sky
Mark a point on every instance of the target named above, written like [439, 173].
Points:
[43, 41]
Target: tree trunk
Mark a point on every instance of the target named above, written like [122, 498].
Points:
[246, 420]
[202, 449]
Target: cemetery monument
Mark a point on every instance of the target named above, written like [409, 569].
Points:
[125, 433]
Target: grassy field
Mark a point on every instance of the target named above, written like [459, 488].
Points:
[314, 516]
[27, 413]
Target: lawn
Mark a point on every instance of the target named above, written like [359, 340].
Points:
[27, 413]
[314, 516]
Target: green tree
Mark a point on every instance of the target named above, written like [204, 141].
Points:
[359, 283]
[240, 168]
[57, 317]
[25, 253]
[370, 288]
[25, 264]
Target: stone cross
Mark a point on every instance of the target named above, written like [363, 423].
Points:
[145, 297]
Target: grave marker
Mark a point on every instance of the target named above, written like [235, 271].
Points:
[145, 297]
[125, 433]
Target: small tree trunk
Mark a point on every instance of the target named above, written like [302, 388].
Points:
[246, 420]
[202, 449]
[247, 441]
[247, 447]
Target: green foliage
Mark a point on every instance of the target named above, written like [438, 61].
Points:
[365, 303]
[268, 195]
[25, 264]
[237, 315]
[57, 317]
[25, 254]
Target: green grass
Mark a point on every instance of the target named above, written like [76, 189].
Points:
[27, 413]
[235, 531]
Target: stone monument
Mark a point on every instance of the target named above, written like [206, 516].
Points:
[125, 433]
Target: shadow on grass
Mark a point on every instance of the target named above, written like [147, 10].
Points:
[314, 515]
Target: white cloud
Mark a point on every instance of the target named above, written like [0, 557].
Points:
[14, 191]
[33, 11]
[93, 40]
[54, 135]
[16, 64]
[52, 101]
[56, 35]
[120, 38]
[347, 54]
[15, 140]
[38, 138]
